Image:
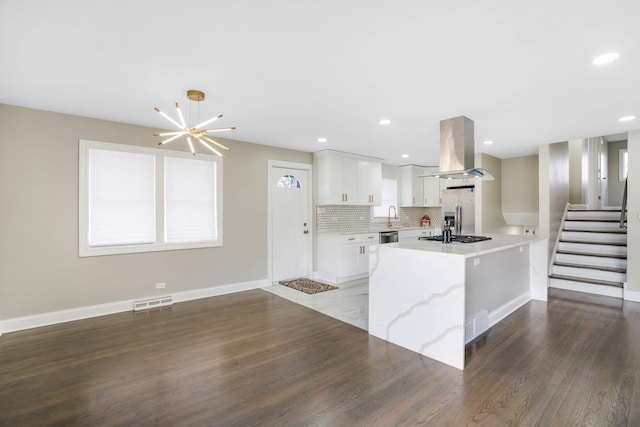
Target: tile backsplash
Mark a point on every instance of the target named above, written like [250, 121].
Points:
[340, 219]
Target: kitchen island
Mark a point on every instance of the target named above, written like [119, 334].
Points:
[433, 298]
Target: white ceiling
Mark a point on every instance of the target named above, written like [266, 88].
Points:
[288, 72]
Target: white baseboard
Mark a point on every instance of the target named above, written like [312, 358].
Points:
[631, 295]
[607, 291]
[500, 313]
[54, 317]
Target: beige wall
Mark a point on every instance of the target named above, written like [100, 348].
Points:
[553, 167]
[489, 217]
[633, 212]
[520, 190]
[40, 270]
[577, 177]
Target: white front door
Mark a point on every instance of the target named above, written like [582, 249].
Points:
[290, 221]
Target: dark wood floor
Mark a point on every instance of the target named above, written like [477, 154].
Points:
[253, 358]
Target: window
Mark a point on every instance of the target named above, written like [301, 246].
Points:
[137, 199]
[389, 197]
[623, 165]
[288, 181]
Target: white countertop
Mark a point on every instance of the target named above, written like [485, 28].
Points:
[380, 228]
[498, 242]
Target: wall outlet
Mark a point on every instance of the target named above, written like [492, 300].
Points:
[160, 285]
[476, 261]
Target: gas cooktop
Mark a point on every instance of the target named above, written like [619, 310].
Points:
[459, 238]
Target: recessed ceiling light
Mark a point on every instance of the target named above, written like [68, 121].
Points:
[384, 121]
[404, 156]
[606, 58]
[626, 118]
[488, 142]
[322, 139]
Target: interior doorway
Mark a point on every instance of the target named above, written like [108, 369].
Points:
[290, 222]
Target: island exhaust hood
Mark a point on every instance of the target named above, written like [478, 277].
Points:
[457, 151]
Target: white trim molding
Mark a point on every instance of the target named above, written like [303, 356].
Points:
[79, 313]
[633, 296]
[506, 309]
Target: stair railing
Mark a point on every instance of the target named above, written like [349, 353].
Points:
[623, 210]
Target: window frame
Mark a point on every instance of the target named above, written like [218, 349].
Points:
[384, 217]
[84, 250]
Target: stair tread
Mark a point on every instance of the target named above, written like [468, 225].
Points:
[585, 280]
[594, 210]
[588, 242]
[590, 254]
[612, 231]
[592, 220]
[592, 267]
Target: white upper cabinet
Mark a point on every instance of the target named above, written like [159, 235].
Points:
[347, 179]
[369, 182]
[416, 190]
[411, 186]
[431, 188]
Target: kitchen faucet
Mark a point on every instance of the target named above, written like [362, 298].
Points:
[395, 215]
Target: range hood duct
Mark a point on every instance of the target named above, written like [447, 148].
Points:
[457, 151]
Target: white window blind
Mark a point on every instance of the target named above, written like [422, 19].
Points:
[190, 200]
[389, 197]
[121, 198]
[140, 199]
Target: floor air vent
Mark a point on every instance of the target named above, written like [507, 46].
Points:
[152, 303]
[476, 326]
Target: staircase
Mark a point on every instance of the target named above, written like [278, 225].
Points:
[591, 253]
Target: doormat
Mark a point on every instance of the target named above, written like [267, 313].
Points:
[307, 286]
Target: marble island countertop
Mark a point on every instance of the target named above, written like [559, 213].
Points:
[498, 242]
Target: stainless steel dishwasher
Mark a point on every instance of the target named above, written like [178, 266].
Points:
[388, 236]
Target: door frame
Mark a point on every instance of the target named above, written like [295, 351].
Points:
[271, 165]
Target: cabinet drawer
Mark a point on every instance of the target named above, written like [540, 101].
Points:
[359, 238]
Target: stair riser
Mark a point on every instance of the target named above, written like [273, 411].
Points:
[592, 226]
[584, 236]
[596, 215]
[592, 260]
[586, 287]
[589, 273]
[593, 249]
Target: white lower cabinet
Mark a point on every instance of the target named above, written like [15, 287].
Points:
[407, 235]
[344, 257]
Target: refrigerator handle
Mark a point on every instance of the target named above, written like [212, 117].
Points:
[459, 221]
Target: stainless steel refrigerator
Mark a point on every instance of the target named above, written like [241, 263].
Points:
[458, 207]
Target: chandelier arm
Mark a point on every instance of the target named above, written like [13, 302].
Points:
[213, 119]
[184, 125]
[206, 138]
[170, 119]
[179, 132]
[170, 139]
[211, 148]
[218, 129]
[191, 145]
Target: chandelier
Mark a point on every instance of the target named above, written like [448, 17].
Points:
[195, 133]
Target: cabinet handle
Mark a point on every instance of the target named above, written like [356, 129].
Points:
[414, 201]
[425, 200]
[346, 197]
[352, 238]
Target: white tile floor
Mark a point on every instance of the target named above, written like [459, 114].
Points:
[349, 303]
